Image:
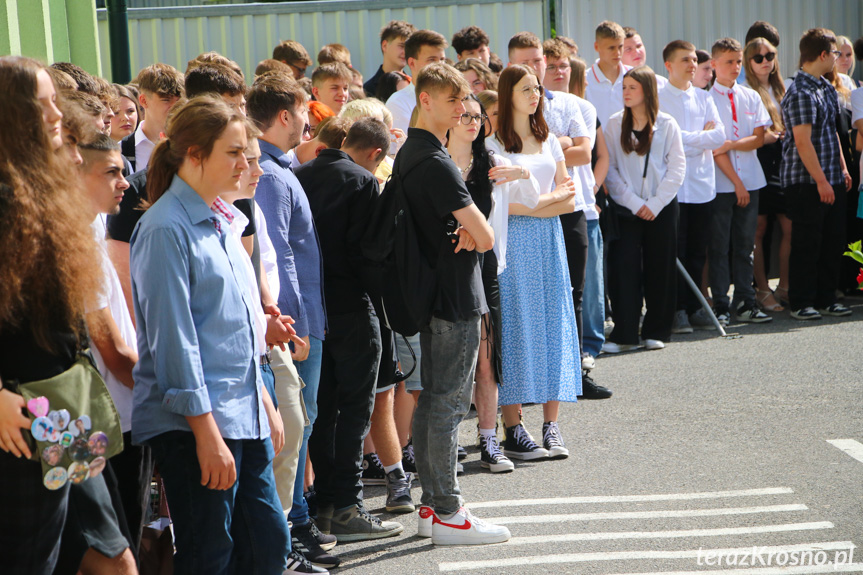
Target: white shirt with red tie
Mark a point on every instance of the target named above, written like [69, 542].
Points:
[741, 111]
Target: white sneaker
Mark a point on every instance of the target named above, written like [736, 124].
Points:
[611, 347]
[425, 521]
[652, 344]
[462, 528]
[588, 362]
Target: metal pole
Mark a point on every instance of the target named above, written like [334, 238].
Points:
[118, 35]
[700, 297]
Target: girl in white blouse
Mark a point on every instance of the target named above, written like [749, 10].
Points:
[647, 166]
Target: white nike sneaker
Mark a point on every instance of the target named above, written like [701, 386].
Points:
[424, 523]
[462, 528]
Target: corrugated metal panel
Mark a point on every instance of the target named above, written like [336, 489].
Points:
[247, 33]
[704, 21]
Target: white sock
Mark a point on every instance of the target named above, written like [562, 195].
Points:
[396, 465]
[488, 432]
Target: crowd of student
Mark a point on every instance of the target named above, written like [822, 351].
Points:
[203, 240]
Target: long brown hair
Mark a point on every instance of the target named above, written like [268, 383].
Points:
[775, 81]
[577, 77]
[643, 75]
[511, 141]
[51, 266]
[193, 127]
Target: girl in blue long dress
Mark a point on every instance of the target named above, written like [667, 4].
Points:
[539, 340]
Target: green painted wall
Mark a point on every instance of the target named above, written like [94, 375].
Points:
[52, 31]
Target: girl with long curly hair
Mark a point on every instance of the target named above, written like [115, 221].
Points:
[50, 274]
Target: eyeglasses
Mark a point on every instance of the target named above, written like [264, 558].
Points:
[468, 119]
[769, 56]
[301, 71]
[531, 90]
[554, 69]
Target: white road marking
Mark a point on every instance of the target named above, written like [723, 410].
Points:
[849, 446]
[644, 514]
[723, 531]
[633, 498]
[631, 555]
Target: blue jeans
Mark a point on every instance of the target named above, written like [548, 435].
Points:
[269, 380]
[239, 530]
[732, 227]
[593, 301]
[449, 352]
[310, 373]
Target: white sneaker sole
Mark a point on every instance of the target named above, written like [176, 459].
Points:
[498, 467]
[462, 538]
[526, 456]
[558, 453]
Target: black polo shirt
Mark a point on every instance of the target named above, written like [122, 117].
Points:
[341, 195]
[434, 190]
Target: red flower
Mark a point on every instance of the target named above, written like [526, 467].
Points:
[860, 279]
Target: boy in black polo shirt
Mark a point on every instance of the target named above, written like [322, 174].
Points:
[440, 203]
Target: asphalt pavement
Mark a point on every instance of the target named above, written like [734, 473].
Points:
[720, 455]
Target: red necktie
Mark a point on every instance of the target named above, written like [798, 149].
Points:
[734, 114]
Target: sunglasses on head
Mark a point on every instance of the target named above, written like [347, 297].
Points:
[759, 58]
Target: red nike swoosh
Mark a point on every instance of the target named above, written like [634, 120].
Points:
[425, 513]
[465, 526]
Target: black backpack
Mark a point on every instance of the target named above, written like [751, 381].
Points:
[398, 277]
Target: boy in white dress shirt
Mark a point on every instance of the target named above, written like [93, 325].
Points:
[605, 77]
[734, 210]
[702, 132]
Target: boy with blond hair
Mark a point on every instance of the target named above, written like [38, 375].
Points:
[605, 77]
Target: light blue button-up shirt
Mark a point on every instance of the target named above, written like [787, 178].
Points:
[195, 323]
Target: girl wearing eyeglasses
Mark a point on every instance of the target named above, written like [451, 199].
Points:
[539, 340]
[763, 76]
[493, 183]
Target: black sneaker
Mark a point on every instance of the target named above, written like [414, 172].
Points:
[373, 470]
[399, 492]
[491, 457]
[835, 310]
[552, 441]
[590, 389]
[751, 314]
[325, 540]
[304, 542]
[518, 444]
[462, 452]
[806, 313]
[356, 524]
[299, 564]
[409, 463]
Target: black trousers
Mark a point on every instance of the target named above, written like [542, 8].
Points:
[693, 235]
[642, 266]
[346, 398]
[575, 240]
[817, 244]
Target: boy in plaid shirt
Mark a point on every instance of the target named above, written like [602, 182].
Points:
[815, 177]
